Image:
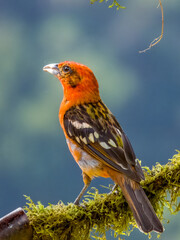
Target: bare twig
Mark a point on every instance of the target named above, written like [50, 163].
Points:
[158, 39]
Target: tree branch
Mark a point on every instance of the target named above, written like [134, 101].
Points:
[115, 3]
[102, 212]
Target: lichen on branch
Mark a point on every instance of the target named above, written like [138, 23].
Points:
[103, 212]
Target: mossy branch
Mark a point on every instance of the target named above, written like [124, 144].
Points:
[102, 212]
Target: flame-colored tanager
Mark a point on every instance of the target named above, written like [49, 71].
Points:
[97, 141]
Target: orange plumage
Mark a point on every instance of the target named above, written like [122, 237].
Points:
[97, 141]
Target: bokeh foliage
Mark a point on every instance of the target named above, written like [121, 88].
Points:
[142, 90]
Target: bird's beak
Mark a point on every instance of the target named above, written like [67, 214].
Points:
[52, 69]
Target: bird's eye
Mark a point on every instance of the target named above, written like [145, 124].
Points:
[66, 69]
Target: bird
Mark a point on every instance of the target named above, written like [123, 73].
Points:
[97, 141]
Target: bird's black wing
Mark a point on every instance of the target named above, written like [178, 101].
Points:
[93, 127]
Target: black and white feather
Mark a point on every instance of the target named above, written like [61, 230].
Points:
[93, 127]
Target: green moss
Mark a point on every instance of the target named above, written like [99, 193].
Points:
[102, 212]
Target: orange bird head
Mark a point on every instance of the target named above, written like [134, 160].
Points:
[78, 81]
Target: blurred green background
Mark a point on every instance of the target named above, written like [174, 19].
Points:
[142, 90]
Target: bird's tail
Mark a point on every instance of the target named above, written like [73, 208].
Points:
[141, 207]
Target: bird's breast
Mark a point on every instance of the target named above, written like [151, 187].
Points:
[91, 166]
